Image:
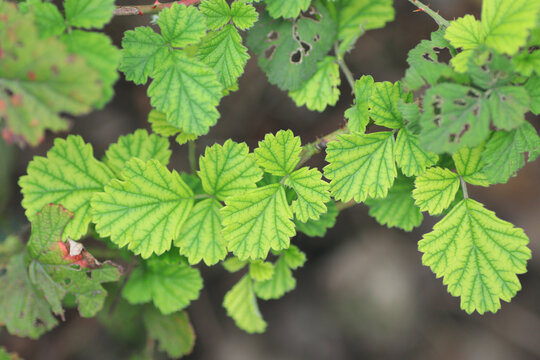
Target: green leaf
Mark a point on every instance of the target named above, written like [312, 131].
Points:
[166, 281]
[504, 152]
[48, 19]
[465, 33]
[435, 189]
[358, 114]
[69, 176]
[383, 104]
[200, 237]
[223, 51]
[181, 25]
[260, 270]
[424, 64]
[507, 106]
[289, 52]
[243, 15]
[281, 282]
[188, 92]
[159, 124]
[478, 256]
[89, 14]
[99, 54]
[454, 115]
[39, 80]
[145, 210]
[143, 50]
[410, 156]
[241, 304]
[234, 264]
[322, 89]
[317, 228]
[256, 221]
[228, 169]
[357, 16]
[22, 310]
[397, 209]
[294, 257]
[216, 12]
[469, 165]
[140, 145]
[173, 332]
[288, 9]
[279, 154]
[533, 88]
[58, 268]
[506, 23]
[311, 191]
[361, 165]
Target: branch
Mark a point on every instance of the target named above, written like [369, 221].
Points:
[317, 146]
[149, 9]
[344, 68]
[434, 14]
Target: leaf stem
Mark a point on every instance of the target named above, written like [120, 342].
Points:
[149, 9]
[442, 22]
[191, 156]
[317, 146]
[464, 188]
[345, 69]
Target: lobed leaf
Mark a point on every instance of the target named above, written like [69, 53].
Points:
[435, 189]
[89, 14]
[410, 156]
[311, 191]
[478, 256]
[145, 210]
[241, 305]
[173, 332]
[279, 154]
[181, 25]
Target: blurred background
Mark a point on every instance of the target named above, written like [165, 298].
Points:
[363, 293]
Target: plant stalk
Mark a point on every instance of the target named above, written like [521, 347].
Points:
[442, 22]
[149, 9]
[345, 69]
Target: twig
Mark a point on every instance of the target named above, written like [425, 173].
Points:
[149, 9]
[464, 188]
[434, 15]
[344, 68]
[317, 146]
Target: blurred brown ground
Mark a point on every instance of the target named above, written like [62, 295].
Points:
[363, 294]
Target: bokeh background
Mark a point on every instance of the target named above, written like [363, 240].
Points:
[363, 293]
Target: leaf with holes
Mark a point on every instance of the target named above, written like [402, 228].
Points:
[288, 52]
[397, 209]
[361, 165]
[145, 209]
[478, 256]
[139, 145]
[435, 189]
[228, 169]
[256, 221]
[322, 89]
[68, 176]
[241, 305]
[454, 115]
[167, 281]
